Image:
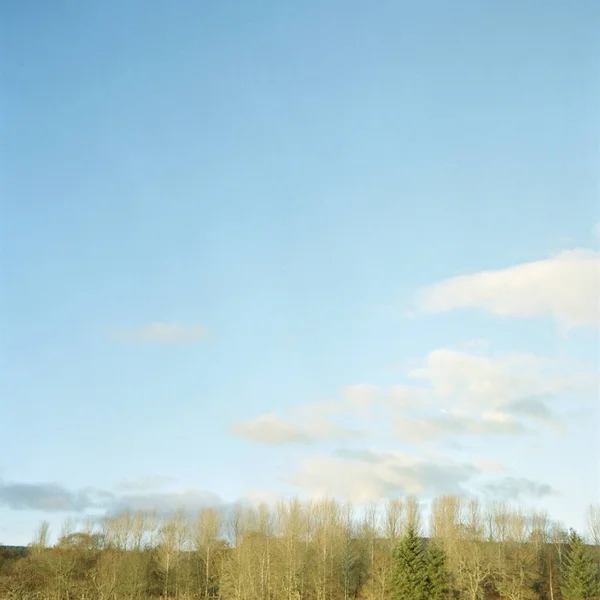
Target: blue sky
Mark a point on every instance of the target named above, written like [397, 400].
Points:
[220, 218]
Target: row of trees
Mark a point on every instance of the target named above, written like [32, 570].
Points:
[313, 551]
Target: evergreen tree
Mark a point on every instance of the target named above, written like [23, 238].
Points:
[410, 580]
[437, 573]
[580, 577]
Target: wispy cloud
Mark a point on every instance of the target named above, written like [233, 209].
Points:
[272, 430]
[479, 395]
[454, 424]
[145, 483]
[161, 333]
[488, 380]
[455, 395]
[363, 402]
[565, 287]
[517, 488]
[315, 422]
[536, 409]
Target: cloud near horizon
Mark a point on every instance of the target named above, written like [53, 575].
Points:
[144, 483]
[165, 503]
[517, 488]
[51, 497]
[54, 497]
[565, 287]
[360, 477]
[453, 395]
[363, 476]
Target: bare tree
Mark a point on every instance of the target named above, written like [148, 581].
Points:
[265, 533]
[515, 560]
[206, 543]
[40, 540]
[558, 539]
[166, 553]
[328, 547]
[445, 518]
[413, 517]
[593, 524]
[313, 551]
[394, 516]
[470, 559]
[292, 523]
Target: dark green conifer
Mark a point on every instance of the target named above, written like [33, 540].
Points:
[437, 573]
[410, 569]
[580, 577]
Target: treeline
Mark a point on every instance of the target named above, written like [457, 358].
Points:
[313, 551]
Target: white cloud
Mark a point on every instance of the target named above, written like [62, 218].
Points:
[458, 395]
[363, 476]
[314, 422]
[272, 430]
[454, 424]
[163, 333]
[565, 287]
[506, 395]
[370, 475]
[485, 381]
